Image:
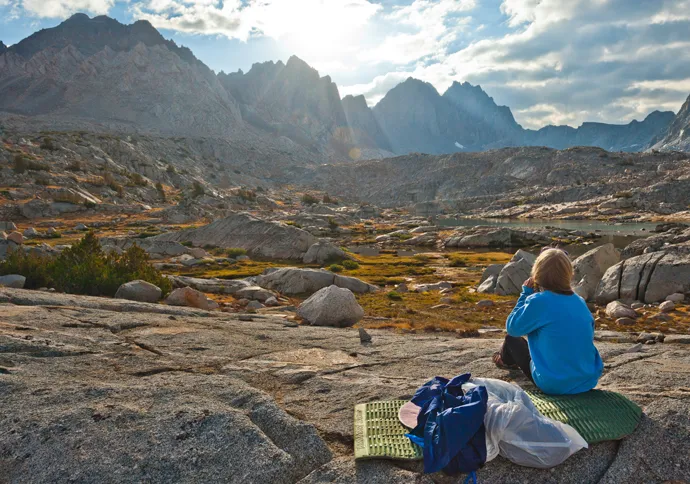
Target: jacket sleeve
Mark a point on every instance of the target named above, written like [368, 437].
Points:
[527, 315]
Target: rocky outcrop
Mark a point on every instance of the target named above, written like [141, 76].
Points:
[589, 268]
[647, 278]
[331, 306]
[258, 237]
[201, 388]
[488, 236]
[654, 243]
[293, 281]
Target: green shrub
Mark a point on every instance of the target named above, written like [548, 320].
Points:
[394, 296]
[235, 252]
[171, 169]
[84, 269]
[47, 144]
[22, 163]
[350, 265]
[332, 223]
[335, 268]
[35, 268]
[197, 189]
[309, 199]
[137, 180]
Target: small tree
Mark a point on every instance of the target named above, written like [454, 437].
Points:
[161, 191]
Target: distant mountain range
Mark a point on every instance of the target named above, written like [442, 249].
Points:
[128, 77]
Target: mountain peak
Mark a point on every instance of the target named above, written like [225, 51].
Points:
[3, 47]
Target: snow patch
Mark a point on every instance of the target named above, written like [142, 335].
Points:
[459, 145]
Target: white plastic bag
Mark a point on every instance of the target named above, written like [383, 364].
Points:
[516, 430]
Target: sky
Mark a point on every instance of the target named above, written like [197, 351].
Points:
[551, 61]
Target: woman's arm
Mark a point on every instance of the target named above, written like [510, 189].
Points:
[527, 314]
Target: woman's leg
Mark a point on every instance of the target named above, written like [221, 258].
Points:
[515, 351]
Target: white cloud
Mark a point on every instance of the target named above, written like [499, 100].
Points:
[65, 8]
[319, 20]
[435, 24]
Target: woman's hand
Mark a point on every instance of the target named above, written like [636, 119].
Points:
[529, 283]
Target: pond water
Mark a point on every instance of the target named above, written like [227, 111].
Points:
[599, 226]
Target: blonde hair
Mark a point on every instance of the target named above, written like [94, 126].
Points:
[553, 271]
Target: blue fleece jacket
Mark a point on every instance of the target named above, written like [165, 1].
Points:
[560, 334]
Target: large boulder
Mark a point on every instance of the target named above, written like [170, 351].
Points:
[13, 280]
[138, 290]
[254, 293]
[648, 278]
[323, 252]
[589, 268]
[331, 306]
[186, 296]
[293, 281]
[514, 273]
[212, 286]
[260, 238]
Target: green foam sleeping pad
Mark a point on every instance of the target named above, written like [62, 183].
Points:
[597, 415]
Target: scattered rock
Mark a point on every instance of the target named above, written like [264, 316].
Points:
[364, 337]
[186, 296]
[15, 237]
[402, 288]
[331, 306]
[433, 287]
[30, 233]
[81, 227]
[138, 290]
[625, 321]
[676, 297]
[255, 293]
[635, 349]
[485, 303]
[644, 337]
[637, 305]
[254, 305]
[616, 309]
[16, 281]
[323, 252]
[667, 306]
[271, 301]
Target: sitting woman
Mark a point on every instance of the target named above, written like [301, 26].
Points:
[559, 355]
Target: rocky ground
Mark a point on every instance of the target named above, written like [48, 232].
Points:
[94, 395]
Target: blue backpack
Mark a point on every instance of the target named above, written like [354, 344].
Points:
[450, 425]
